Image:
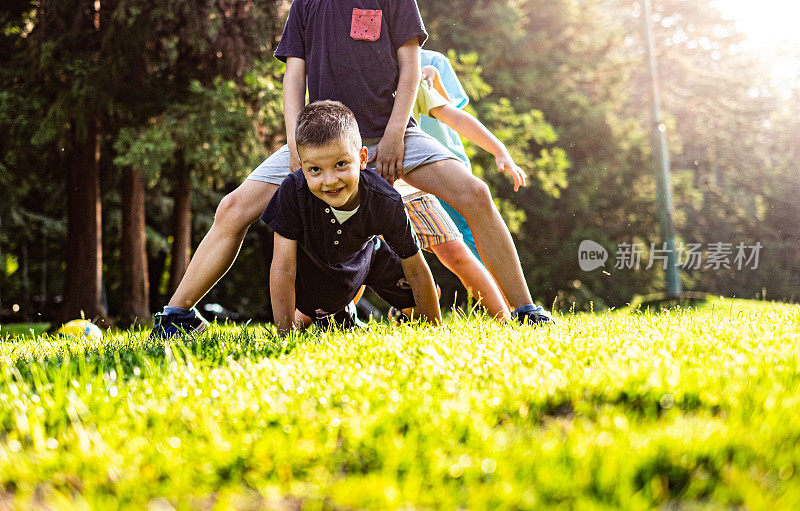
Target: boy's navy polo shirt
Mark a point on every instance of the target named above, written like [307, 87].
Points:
[338, 256]
[361, 74]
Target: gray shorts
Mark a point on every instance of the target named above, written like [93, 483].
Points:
[420, 149]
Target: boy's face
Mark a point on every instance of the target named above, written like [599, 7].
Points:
[332, 172]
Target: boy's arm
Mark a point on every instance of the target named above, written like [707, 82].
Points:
[281, 283]
[473, 130]
[294, 98]
[388, 156]
[419, 277]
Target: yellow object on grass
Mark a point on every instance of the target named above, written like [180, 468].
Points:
[81, 328]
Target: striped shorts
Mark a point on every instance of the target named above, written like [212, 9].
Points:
[431, 223]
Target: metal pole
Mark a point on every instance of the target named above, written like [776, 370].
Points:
[662, 164]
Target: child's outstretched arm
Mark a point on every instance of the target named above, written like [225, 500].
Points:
[473, 130]
[419, 277]
[282, 275]
[388, 156]
[294, 99]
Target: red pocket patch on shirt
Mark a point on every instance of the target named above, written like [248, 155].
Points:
[366, 25]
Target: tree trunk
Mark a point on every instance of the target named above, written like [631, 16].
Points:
[156, 266]
[181, 223]
[43, 283]
[26, 284]
[82, 293]
[2, 268]
[41, 303]
[135, 279]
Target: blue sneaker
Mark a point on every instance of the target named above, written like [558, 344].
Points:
[176, 324]
[533, 314]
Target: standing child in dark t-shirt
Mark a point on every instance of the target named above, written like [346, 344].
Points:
[327, 219]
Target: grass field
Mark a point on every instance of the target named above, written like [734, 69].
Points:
[18, 329]
[686, 409]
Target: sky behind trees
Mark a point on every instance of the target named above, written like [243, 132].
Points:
[771, 30]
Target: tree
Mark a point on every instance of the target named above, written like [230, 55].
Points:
[63, 51]
[180, 48]
[725, 134]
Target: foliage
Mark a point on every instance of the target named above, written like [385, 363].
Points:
[617, 410]
[720, 104]
[169, 78]
[212, 129]
[564, 84]
[581, 64]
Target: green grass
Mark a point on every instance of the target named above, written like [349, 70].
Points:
[733, 306]
[17, 329]
[729, 306]
[696, 408]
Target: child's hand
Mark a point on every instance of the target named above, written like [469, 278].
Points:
[429, 74]
[505, 163]
[388, 156]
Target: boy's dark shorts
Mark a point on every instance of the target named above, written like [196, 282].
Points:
[318, 296]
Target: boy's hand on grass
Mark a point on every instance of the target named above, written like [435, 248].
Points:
[505, 163]
[388, 156]
[286, 329]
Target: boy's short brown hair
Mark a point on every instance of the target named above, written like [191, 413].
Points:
[322, 122]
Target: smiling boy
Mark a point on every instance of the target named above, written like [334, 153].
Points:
[327, 218]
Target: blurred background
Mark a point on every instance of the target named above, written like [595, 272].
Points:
[124, 122]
